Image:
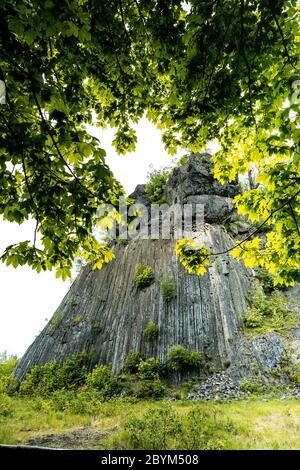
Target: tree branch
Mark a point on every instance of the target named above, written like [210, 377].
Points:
[242, 7]
[273, 13]
[31, 197]
[259, 227]
[207, 89]
[123, 21]
[56, 145]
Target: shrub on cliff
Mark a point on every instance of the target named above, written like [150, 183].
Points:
[150, 369]
[156, 185]
[148, 389]
[103, 380]
[144, 275]
[132, 361]
[151, 331]
[269, 313]
[168, 287]
[180, 358]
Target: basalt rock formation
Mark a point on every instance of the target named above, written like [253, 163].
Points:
[104, 314]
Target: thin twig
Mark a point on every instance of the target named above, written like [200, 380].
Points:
[259, 227]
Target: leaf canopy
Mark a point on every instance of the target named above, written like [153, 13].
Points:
[200, 70]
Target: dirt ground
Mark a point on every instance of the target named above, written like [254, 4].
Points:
[85, 437]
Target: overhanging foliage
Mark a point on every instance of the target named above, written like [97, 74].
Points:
[201, 70]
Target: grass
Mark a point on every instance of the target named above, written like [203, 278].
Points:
[272, 312]
[251, 424]
[28, 419]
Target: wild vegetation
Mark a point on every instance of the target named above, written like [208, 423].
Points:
[192, 256]
[271, 312]
[143, 276]
[168, 286]
[266, 280]
[132, 360]
[156, 184]
[199, 70]
[150, 369]
[181, 358]
[151, 331]
[133, 423]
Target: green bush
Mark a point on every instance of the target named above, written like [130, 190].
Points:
[189, 386]
[42, 380]
[248, 387]
[168, 287]
[148, 389]
[103, 380]
[77, 402]
[55, 322]
[180, 358]
[156, 185]
[155, 430]
[266, 280]
[183, 160]
[13, 385]
[6, 405]
[269, 313]
[162, 428]
[150, 369]
[45, 379]
[144, 275]
[132, 361]
[203, 430]
[151, 331]
[254, 319]
[73, 373]
[7, 366]
[293, 372]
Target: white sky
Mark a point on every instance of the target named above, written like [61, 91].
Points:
[28, 298]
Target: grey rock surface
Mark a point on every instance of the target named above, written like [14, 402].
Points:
[139, 195]
[218, 387]
[253, 355]
[222, 387]
[217, 209]
[104, 314]
[196, 178]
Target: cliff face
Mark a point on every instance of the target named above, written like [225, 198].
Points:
[104, 314]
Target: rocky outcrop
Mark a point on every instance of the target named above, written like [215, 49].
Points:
[104, 314]
[218, 387]
[196, 178]
[139, 195]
